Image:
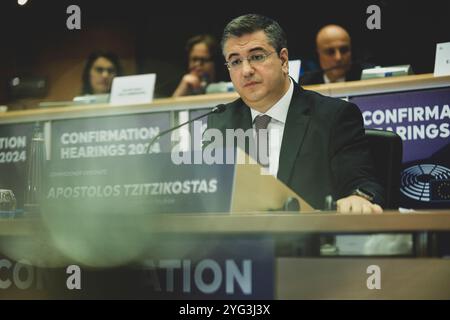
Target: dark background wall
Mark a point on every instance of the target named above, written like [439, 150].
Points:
[150, 36]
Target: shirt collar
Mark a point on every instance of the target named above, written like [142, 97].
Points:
[280, 109]
[327, 80]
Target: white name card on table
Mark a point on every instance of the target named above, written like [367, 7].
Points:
[442, 61]
[294, 69]
[136, 89]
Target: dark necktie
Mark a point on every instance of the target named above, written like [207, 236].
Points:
[262, 140]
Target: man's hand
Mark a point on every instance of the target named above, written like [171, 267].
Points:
[357, 204]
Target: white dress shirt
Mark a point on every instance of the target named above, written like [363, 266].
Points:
[278, 112]
[327, 80]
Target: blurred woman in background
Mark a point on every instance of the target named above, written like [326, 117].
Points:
[99, 71]
[202, 55]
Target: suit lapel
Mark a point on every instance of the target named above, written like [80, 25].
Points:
[243, 118]
[297, 122]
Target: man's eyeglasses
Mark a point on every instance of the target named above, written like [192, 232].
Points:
[200, 60]
[253, 59]
[100, 70]
[332, 51]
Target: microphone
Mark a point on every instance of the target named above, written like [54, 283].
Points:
[291, 204]
[217, 109]
[330, 204]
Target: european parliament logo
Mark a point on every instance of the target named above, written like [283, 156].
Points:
[440, 190]
[426, 183]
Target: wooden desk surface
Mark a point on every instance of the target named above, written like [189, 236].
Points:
[351, 88]
[252, 223]
[294, 277]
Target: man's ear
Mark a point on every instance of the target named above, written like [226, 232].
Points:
[284, 57]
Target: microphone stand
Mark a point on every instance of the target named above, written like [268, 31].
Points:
[218, 109]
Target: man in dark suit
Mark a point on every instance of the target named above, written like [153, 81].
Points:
[334, 49]
[320, 148]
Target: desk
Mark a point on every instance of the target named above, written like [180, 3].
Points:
[285, 276]
[297, 277]
[345, 89]
[164, 113]
[370, 95]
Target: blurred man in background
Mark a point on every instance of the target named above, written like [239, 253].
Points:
[334, 49]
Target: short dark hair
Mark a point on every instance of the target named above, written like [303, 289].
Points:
[251, 23]
[207, 39]
[86, 87]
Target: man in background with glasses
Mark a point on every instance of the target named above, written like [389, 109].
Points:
[319, 148]
[334, 49]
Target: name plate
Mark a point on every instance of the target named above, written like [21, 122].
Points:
[294, 69]
[136, 89]
[139, 184]
[442, 61]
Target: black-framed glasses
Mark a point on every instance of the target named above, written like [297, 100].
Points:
[100, 70]
[332, 51]
[253, 59]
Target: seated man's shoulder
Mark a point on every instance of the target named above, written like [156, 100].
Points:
[325, 104]
[328, 111]
[311, 78]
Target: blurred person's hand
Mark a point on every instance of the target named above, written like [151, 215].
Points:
[189, 82]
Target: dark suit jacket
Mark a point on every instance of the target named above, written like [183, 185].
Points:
[324, 150]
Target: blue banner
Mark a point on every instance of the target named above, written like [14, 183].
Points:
[211, 267]
[14, 148]
[196, 134]
[106, 137]
[422, 120]
[139, 184]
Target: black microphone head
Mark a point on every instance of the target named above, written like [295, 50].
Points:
[219, 108]
[291, 204]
